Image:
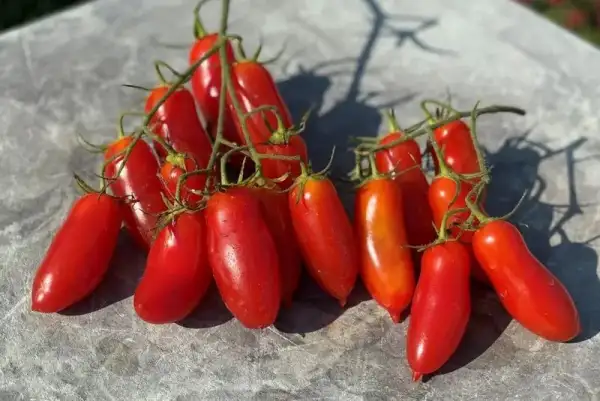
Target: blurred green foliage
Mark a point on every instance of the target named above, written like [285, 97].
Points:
[582, 17]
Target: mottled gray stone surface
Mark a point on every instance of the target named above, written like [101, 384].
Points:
[62, 75]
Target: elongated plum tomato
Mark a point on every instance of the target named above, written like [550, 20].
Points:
[440, 308]
[275, 169]
[457, 147]
[386, 262]
[139, 181]
[528, 290]
[206, 84]
[406, 157]
[177, 123]
[254, 88]
[454, 140]
[243, 256]
[172, 169]
[277, 216]
[79, 254]
[325, 235]
[442, 192]
[177, 274]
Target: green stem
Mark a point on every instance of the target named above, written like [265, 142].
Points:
[183, 79]
[472, 206]
[390, 116]
[480, 159]
[441, 105]
[428, 115]
[84, 186]
[161, 77]
[418, 129]
[240, 114]
[199, 30]
[168, 148]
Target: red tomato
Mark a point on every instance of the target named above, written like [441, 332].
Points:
[255, 87]
[454, 140]
[175, 167]
[206, 84]
[440, 309]
[138, 181]
[441, 194]
[407, 155]
[277, 216]
[177, 274]
[527, 289]
[325, 236]
[177, 122]
[243, 256]
[79, 254]
[274, 169]
[386, 263]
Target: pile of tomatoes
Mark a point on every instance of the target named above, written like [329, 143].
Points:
[414, 242]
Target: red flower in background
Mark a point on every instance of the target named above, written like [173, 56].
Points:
[575, 19]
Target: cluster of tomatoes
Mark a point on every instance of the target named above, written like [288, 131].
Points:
[170, 186]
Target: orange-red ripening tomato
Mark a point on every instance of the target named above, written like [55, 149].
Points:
[442, 192]
[528, 290]
[79, 254]
[278, 219]
[177, 122]
[243, 256]
[386, 263]
[138, 181]
[177, 274]
[172, 170]
[325, 236]
[414, 185]
[206, 84]
[440, 309]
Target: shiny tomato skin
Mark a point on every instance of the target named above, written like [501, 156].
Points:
[454, 140]
[325, 236]
[386, 262]
[441, 194]
[274, 169]
[177, 273]
[138, 181]
[440, 309]
[279, 220]
[414, 185]
[255, 87]
[79, 254]
[442, 191]
[206, 84]
[170, 173]
[177, 122]
[528, 290]
[243, 257]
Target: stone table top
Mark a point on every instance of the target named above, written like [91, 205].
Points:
[62, 75]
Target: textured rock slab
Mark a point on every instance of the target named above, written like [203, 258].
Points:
[62, 75]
